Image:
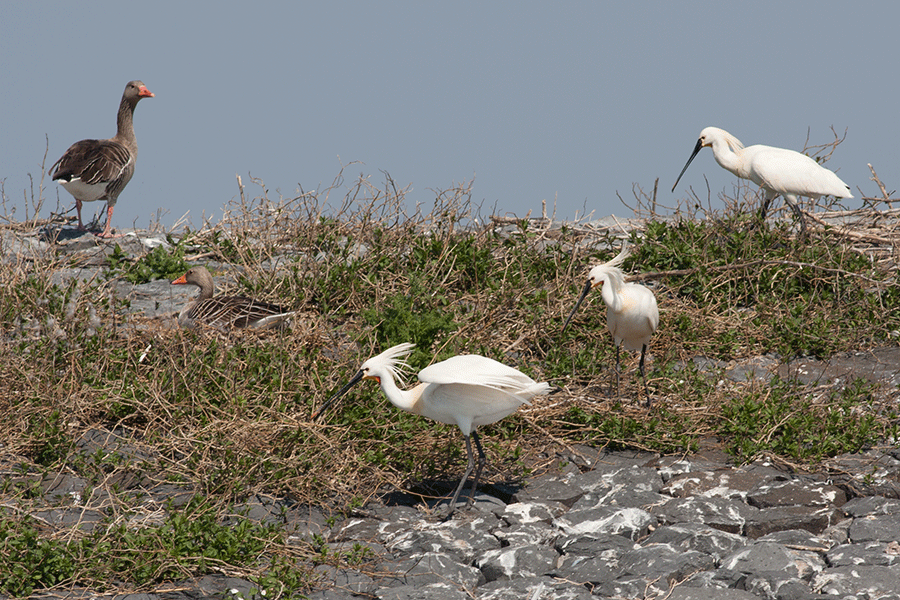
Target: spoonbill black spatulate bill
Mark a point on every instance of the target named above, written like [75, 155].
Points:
[467, 390]
[775, 170]
[631, 312]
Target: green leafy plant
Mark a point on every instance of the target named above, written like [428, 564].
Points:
[785, 423]
[159, 263]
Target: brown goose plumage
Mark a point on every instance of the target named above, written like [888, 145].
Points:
[226, 311]
[100, 169]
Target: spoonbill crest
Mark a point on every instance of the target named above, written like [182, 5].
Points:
[631, 312]
[467, 390]
[775, 170]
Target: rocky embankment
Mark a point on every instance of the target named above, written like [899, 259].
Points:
[595, 525]
[598, 525]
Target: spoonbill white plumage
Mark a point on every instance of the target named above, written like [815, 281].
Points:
[775, 170]
[466, 390]
[631, 314]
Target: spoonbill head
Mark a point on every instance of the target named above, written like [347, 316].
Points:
[466, 390]
[775, 170]
[631, 311]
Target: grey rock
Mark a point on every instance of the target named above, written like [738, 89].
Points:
[63, 488]
[664, 563]
[720, 578]
[871, 506]
[877, 366]
[620, 497]
[688, 593]
[79, 518]
[697, 537]
[602, 481]
[18, 246]
[103, 445]
[589, 570]
[378, 522]
[629, 587]
[798, 539]
[872, 473]
[460, 539]
[776, 585]
[868, 553]
[530, 512]
[839, 533]
[525, 588]
[171, 494]
[218, 586]
[723, 483]
[720, 513]
[482, 502]
[63, 277]
[629, 522]
[156, 298]
[429, 591]
[778, 518]
[759, 368]
[792, 492]
[428, 568]
[767, 556]
[260, 509]
[881, 528]
[549, 489]
[346, 579]
[304, 522]
[672, 466]
[517, 561]
[594, 545]
[529, 534]
[864, 582]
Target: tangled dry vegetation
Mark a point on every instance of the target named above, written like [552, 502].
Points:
[228, 414]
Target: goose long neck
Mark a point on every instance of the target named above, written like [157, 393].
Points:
[125, 124]
[206, 284]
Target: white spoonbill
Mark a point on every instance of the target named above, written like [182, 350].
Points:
[775, 170]
[466, 390]
[631, 311]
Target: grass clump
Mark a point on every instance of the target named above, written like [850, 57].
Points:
[192, 541]
[159, 263]
[784, 422]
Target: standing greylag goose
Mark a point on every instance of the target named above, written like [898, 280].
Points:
[100, 169]
[225, 311]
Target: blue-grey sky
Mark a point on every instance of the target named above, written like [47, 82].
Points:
[565, 102]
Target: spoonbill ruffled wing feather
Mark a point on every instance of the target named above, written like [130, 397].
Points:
[788, 172]
[473, 369]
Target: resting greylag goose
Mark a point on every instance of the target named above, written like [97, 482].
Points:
[225, 311]
[100, 169]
